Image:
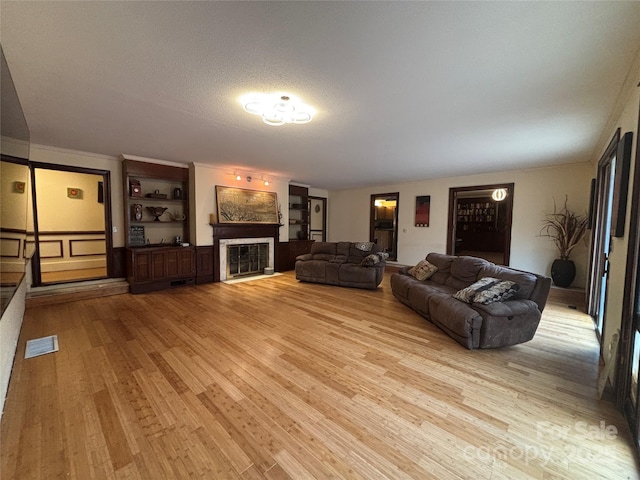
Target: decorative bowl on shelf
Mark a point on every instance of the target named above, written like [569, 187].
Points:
[157, 212]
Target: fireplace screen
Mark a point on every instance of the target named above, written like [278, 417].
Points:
[247, 259]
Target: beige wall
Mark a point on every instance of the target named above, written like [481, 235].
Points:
[58, 212]
[44, 154]
[14, 204]
[534, 193]
[204, 179]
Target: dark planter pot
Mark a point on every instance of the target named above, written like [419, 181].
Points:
[563, 272]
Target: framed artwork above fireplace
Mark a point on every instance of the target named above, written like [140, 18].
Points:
[239, 205]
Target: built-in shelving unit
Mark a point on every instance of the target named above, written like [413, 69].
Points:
[158, 251]
[480, 225]
[299, 242]
[298, 212]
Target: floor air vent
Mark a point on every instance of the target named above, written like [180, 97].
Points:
[41, 346]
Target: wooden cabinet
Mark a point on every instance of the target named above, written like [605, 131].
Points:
[156, 213]
[288, 251]
[157, 268]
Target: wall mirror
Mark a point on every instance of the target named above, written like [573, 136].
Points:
[383, 226]
[15, 188]
[480, 222]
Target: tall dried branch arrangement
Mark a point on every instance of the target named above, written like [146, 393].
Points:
[565, 228]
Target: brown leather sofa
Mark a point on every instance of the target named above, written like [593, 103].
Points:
[474, 325]
[347, 264]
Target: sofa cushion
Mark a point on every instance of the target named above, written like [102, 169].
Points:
[323, 256]
[419, 295]
[467, 294]
[356, 255]
[464, 271]
[342, 248]
[328, 248]
[456, 316]
[423, 270]
[311, 270]
[499, 292]
[443, 262]
[355, 274]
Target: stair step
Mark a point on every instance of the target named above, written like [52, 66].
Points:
[55, 294]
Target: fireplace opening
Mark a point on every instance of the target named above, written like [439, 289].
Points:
[248, 259]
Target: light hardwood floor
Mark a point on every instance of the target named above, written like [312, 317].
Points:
[277, 379]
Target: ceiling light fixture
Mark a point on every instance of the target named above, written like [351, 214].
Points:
[277, 109]
[499, 194]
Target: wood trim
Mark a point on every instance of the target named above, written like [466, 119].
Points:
[12, 159]
[59, 242]
[72, 241]
[71, 232]
[17, 255]
[621, 185]
[13, 230]
[155, 170]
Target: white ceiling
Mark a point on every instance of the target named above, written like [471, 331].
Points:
[404, 91]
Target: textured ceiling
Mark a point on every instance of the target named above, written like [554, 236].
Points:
[404, 91]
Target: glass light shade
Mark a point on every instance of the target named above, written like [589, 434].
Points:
[499, 194]
[277, 109]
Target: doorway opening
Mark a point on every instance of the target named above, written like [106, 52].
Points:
[318, 219]
[601, 237]
[383, 225]
[71, 224]
[480, 222]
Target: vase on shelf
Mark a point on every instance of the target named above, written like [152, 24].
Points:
[157, 212]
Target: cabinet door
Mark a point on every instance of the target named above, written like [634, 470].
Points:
[172, 263]
[159, 260]
[142, 266]
[186, 262]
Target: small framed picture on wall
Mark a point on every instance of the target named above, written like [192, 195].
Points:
[423, 206]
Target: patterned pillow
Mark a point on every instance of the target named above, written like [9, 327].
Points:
[364, 246]
[467, 294]
[374, 259]
[498, 292]
[370, 260]
[423, 270]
